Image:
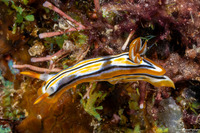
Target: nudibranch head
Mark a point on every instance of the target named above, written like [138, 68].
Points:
[47, 90]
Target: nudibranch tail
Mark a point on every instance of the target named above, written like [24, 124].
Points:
[167, 82]
[40, 98]
[159, 81]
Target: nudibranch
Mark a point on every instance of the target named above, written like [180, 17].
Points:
[125, 67]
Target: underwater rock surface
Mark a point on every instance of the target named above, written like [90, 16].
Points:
[171, 115]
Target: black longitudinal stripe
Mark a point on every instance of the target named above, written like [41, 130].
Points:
[106, 69]
[143, 74]
[110, 67]
[104, 58]
[147, 62]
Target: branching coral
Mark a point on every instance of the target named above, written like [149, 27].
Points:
[65, 16]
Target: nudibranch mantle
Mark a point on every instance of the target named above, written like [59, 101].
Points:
[125, 67]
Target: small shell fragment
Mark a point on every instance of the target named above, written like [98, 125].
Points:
[68, 45]
[36, 49]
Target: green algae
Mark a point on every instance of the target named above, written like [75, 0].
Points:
[23, 14]
[57, 40]
[89, 104]
[79, 38]
[5, 129]
[7, 101]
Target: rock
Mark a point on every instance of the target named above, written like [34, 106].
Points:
[170, 116]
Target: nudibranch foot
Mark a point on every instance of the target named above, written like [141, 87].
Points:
[156, 81]
[41, 97]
